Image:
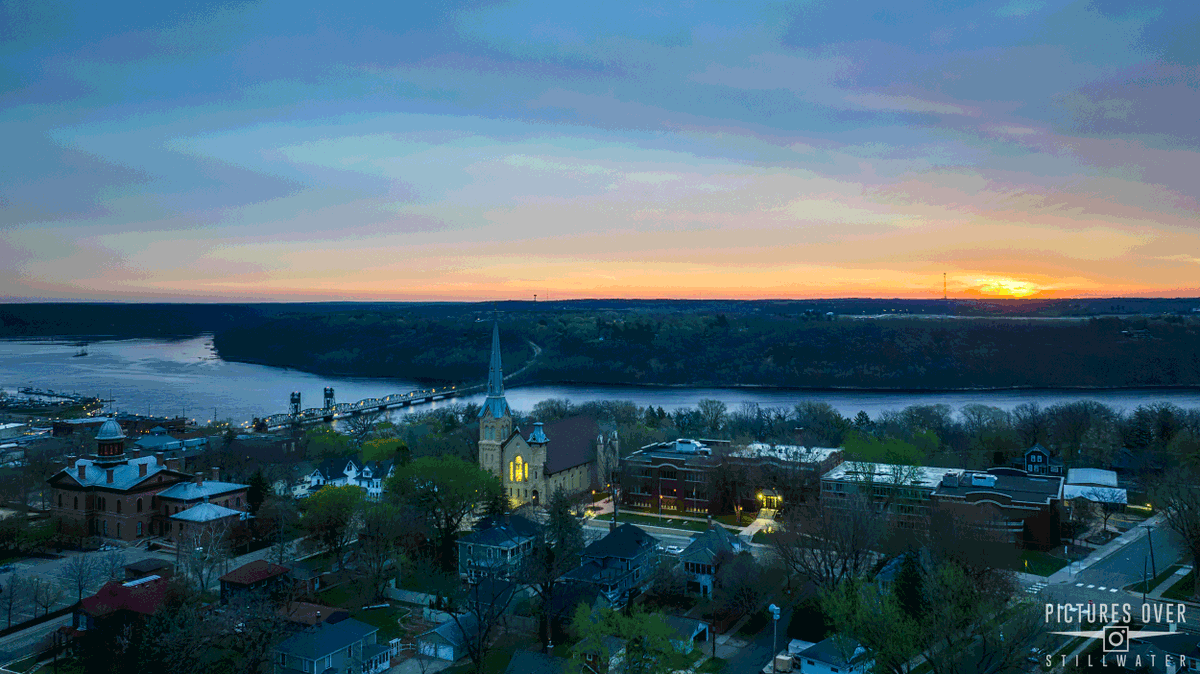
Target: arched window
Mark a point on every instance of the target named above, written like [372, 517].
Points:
[139, 529]
[139, 509]
[118, 511]
[518, 470]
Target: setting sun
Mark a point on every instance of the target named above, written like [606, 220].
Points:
[1003, 286]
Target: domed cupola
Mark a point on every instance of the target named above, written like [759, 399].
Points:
[110, 441]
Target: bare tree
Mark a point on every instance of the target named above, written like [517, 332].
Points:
[203, 551]
[831, 540]
[484, 602]
[1180, 502]
[80, 573]
[1107, 501]
[16, 594]
[112, 565]
[360, 426]
[46, 593]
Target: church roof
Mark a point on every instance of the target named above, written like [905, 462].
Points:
[572, 443]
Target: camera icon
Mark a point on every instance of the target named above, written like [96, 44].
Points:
[1116, 639]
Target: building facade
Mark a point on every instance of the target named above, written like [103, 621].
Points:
[572, 455]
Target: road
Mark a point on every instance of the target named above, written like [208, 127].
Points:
[761, 647]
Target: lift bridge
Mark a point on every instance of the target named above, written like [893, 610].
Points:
[332, 410]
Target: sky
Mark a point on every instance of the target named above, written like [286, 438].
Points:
[281, 151]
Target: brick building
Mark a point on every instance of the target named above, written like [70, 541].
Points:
[124, 496]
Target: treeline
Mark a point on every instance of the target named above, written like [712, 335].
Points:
[706, 349]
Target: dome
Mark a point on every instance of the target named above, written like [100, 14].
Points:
[110, 430]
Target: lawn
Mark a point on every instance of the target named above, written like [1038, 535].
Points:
[713, 666]
[1183, 589]
[385, 619]
[747, 519]
[1155, 581]
[24, 664]
[664, 521]
[1040, 563]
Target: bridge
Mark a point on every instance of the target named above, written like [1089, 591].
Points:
[47, 393]
[332, 411]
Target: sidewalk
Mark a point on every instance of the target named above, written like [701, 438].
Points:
[1068, 573]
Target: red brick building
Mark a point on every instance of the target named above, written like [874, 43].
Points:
[123, 496]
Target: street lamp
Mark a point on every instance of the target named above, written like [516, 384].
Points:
[775, 642]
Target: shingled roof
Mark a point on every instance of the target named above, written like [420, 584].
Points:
[572, 442]
[143, 596]
[254, 572]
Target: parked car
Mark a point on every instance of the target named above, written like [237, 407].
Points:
[674, 550]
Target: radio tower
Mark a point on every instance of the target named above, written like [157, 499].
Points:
[943, 286]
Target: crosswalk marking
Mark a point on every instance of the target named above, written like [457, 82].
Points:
[1091, 587]
[1113, 590]
[1101, 588]
[1078, 584]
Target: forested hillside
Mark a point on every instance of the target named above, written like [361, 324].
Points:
[718, 349]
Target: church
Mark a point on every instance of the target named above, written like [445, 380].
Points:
[571, 454]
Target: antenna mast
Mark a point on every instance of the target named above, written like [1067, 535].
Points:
[943, 285]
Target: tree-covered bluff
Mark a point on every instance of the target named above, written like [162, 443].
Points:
[754, 348]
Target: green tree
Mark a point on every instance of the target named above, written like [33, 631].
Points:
[909, 586]
[444, 490]
[325, 443]
[259, 489]
[331, 518]
[646, 636]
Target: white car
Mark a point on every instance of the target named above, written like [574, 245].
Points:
[674, 549]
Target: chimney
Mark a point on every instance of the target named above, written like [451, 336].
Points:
[216, 474]
[141, 470]
[109, 475]
[137, 453]
[199, 479]
[158, 458]
[82, 472]
[710, 521]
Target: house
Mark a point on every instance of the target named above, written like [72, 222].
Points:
[371, 477]
[259, 577]
[149, 567]
[449, 640]
[571, 455]
[531, 662]
[619, 564]
[225, 503]
[834, 654]
[206, 522]
[1039, 462]
[112, 494]
[119, 605]
[332, 646]
[334, 473]
[686, 632]
[309, 614]
[157, 440]
[497, 547]
[700, 558]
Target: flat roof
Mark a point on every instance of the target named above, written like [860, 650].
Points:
[1024, 488]
[796, 453]
[884, 473]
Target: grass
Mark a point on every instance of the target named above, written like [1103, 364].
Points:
[747, 520]
[1182, 590]
[656, 521]
[1155, 581]
[1040, 563]
[385, 619]
[337, 596]
[24, 664]
[713, 666]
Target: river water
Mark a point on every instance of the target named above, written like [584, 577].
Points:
[187, 378]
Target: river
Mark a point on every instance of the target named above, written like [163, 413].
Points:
[187, 378]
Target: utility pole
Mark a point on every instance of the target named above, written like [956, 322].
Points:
[1150, 538]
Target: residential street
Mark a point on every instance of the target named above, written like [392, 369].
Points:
[761, 647]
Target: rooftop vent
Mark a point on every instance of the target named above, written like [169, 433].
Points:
[950, 480]
[983, 480]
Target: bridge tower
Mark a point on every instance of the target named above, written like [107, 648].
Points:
[329, 398]
[294, 408]
[495, 419]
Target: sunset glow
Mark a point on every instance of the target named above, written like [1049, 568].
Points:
[273, 151]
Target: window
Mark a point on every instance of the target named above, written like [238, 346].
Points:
[118, 506]
[118, 529]
[104, 528]
[139, 505]
[139, 529]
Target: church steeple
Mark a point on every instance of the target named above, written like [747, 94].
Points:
[495, 370]
[495, 403]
